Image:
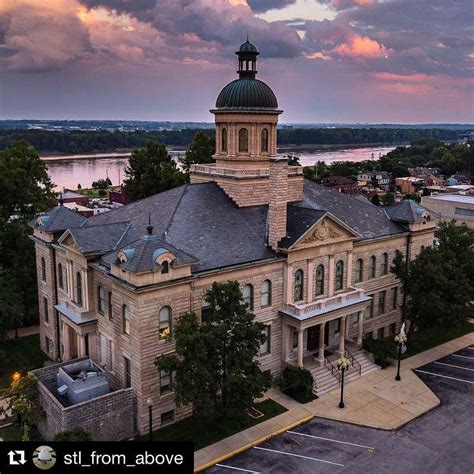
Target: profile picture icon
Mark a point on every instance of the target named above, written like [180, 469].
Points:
[44, 457]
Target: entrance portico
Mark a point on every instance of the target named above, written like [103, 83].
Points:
[310, 329]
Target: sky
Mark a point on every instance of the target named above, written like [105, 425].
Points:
[343, 61]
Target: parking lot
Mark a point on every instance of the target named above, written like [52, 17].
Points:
[441, 441]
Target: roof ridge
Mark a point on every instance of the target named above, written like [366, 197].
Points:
[125, 231]
[165, 232]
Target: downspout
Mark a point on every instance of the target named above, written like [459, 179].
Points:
[56, 301]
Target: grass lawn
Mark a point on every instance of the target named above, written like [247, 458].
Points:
[92, 193]
[422, 341]
[204, 434]
[20, 355]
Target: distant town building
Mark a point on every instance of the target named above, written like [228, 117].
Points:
[409, 184]
[341, 184]
[67, 196]
[452, 206]
[378, 179]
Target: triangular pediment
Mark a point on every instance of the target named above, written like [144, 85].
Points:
[68, 241]
[329, 229]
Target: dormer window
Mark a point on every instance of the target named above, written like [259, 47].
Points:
[166, 267]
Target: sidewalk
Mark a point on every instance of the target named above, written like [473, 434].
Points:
[376, 400]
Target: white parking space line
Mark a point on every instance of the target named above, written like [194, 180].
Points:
[237, 468]
[332, 440]
[443, 376]
[462, 357]
[299, 456]
[451, 365]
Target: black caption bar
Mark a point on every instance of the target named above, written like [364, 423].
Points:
[71, 457]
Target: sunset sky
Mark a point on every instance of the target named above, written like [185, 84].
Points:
[403, 61]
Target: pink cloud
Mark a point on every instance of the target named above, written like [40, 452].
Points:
[361, 47]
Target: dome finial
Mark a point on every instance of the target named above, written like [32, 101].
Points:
[248, 36]
[247, 54]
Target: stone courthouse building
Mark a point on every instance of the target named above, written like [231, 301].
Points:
[313, 265]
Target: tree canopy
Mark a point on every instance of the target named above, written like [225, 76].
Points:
[200, 150]
[438, 282]
[151, 170]
[214, 366]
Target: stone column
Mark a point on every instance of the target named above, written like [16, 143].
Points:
[360, 329]
[67, 342]
[331, 276]
[85, 289]
[310, 277]
[82, 345]
[284, 352]
[300, 347]
[342, 333]
[322, 329]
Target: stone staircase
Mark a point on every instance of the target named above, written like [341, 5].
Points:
[325, 380]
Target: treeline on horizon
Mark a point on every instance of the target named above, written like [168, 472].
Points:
[103, 141]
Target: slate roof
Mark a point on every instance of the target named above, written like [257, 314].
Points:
[92, 239]
[202, 226]
[144, 253]
[406, 211]
[58, 219]
[367, 220]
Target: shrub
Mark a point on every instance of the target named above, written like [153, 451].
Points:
[298, 383]
[76, 434]
[382, 349]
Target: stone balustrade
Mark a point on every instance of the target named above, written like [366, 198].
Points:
[240, 173]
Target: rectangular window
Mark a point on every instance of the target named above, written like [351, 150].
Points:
[294, 344]
[370, 307]
[167, 417]
[394, 298]
[369, 335]
[382, 302]
[165, 382]
[127, 368]
[109, 304]
[355, 319]
[265, 347]
[126, 319]
[391, 329]
[101, 299]
[381, 333]
[49, 345]
[338, 326]
[46, 311]
[109, 356]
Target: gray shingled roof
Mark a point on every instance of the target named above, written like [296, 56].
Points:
[99, 239]
[367, 220]
[143, 254]
[299, 220]
[406, 211]
[58, 219]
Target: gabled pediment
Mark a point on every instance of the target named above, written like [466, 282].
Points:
[68, 241]
[327, 230]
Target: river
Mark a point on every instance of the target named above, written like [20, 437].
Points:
[69, 171]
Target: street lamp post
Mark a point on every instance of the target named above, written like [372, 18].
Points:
[149, 404]
[400, 339]
[342, 364]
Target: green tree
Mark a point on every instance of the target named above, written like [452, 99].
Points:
[214, 366]
[76, 434]
[22, 400]
[293, 159]
[151, 170]
[388, 199]
[438, 282]
[375, 200]
[199, 151]
[26, 191]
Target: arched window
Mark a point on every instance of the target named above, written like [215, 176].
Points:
[266, 293]
[224, 139]
[247, 293]
[60, 276]
[79, 289]
[243, 139]
[320, 280]
[384, 264]
[339, 275]
[165, 267]
[299, 285]
[359, 270]
[205, 309]
[264, 147]
[164, 323]
[43, 269]
[372, 263]
[125, 319]
[101, 299]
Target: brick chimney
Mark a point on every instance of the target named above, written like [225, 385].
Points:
[278, 200]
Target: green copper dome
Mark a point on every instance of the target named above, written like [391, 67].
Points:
[247, 47]
[246, 93]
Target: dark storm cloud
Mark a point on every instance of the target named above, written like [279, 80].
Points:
[260, 6]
